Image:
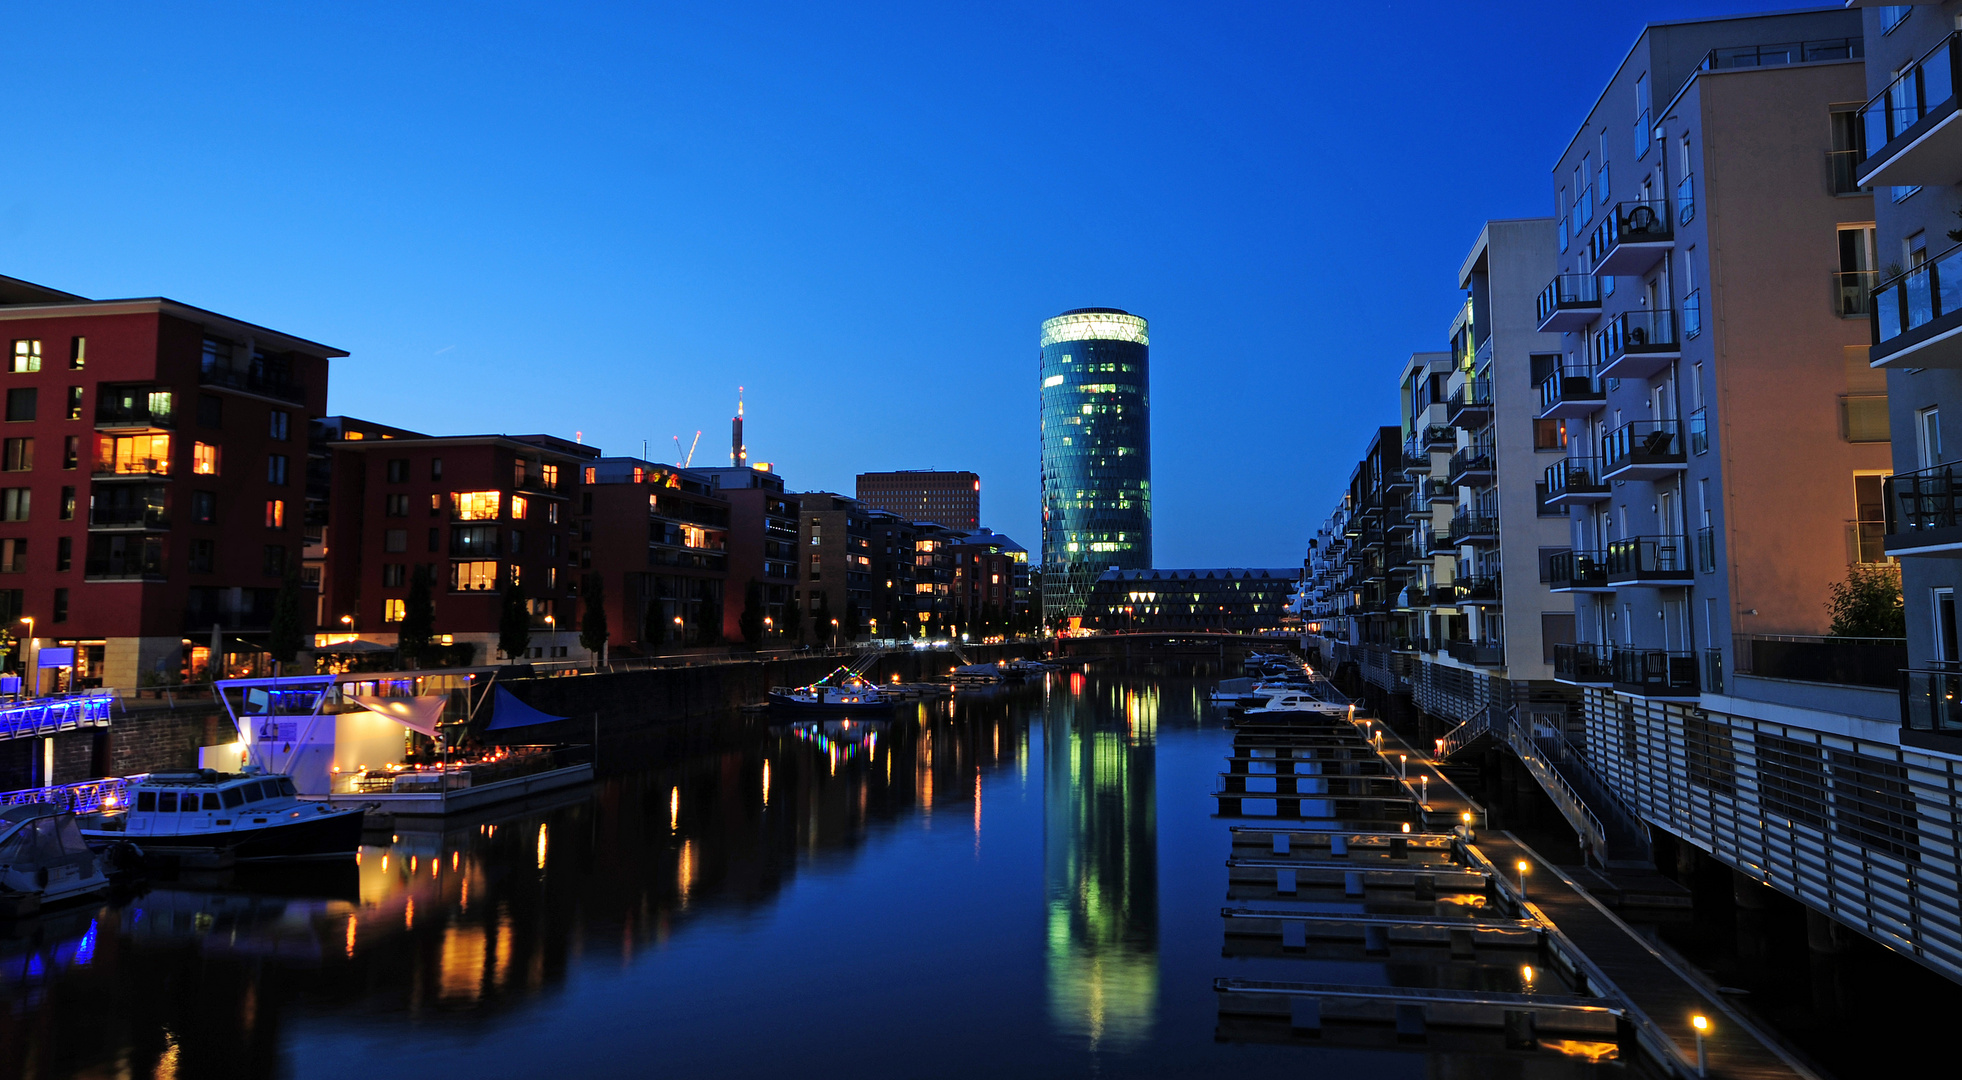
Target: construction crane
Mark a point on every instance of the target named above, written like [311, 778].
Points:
[690, 459]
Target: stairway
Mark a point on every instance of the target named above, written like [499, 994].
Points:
[1613, 832]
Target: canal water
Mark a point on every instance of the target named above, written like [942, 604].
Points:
[1023, 881]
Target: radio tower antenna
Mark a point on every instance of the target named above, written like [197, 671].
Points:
[738, 453]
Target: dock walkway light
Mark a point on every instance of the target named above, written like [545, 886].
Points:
[1702, 1024]
[1522, 879]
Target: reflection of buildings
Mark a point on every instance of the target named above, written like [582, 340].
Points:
[1100, 815]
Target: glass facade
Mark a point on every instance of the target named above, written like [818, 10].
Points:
[1096, 453]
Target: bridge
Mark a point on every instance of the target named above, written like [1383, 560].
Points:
[1193, 642]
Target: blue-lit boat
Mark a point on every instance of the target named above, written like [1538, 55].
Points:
[44, 859]
[205, 817]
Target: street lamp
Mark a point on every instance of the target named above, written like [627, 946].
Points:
[27, 654]
[834, 633]
[1702, 1024]
[1522, 878]
[677, 630]
[552, 623]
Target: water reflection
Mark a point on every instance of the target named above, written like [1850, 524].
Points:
[1100, 805]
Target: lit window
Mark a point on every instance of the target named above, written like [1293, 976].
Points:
[518, 507]
[549, 475]
[394, 610]
[27, 356]
[204, 459]
[476, 505]
[474, 576]
[275, 513]
[145, 454]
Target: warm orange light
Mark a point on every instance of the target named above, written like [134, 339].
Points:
[1700, 1023]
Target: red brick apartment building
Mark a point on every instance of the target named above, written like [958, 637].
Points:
[762, 546]
[154, 461]
[663, 554]
[475, 512]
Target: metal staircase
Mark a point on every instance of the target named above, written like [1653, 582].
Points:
[1464, 734]
[1563, 773]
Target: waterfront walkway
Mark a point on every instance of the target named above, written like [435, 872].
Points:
[1648, 981]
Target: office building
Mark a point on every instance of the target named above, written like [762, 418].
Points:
[1096, 453]
[154, 479]
[1233, 600]
[952, 499]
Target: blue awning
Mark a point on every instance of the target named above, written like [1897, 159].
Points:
[512, 713]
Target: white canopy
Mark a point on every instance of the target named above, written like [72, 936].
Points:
[415, 713]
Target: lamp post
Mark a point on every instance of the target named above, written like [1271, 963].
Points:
[834, 633]
[1702, 1024]
[27, 653]
[552, 624]
[677, 632]
[1522, 878]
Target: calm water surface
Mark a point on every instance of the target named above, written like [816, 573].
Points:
[1022, 881]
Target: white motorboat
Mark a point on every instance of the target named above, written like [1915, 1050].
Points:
[205, 816]
[44, 859]
[844, 690]
[1297, 703]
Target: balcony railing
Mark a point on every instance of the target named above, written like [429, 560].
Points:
[1480, 653]
[1924, 510]
[1897, 118]
[1584, 663]
[1436, 491]
[1472, 461]
[1643, 450]
[1577, 571]
[1474, 526]
[1439, 435]
[1478, 591]
[132, 466]
[1656, 673]
[1569, 302]
[1570, 392]
[1575, 480]
[1931, 700]
[1792, 52]
[255, 382]
[1842, 661]
[138, 414]
[129, 517]
[1472, 406]
[1633, 237]
[1636, 344]
[1913, 314]
[1649, 560]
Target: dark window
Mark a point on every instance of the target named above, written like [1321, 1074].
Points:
[74, 403]
[473, 541]
[211, 411]
[61, 605]
[13, 556]
[395, 540]
[71, 452]
[397, 506]
[586, 502]
[146, 801]
[211, 800]
[67, 508]
[276, 468]
[393, 575]
[1549, 434]
[281, 420]
[203, 554]
[17, 455]
[398, 470]
[435, 538]
[21, 403]
[167, 802]
[435, 468]
[64, 553]
[275, 560]
[78, 352]
[233, 797]
[204, 507]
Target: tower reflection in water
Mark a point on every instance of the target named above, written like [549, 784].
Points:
[1100, 855]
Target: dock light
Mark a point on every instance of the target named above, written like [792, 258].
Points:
[1526, 976]
[1403, 766]
[1522, 879]
[1702, 1025]
[1406, 826]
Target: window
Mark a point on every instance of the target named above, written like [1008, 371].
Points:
[1863, 418]
[71, 452]
[211, 411]
[64, 554]
[74, 403]
[549, 476]
[1928, 436]
[204, 508]
[435, 505]
[473, 576]
[1854, 281]
[61, 605]
[78, 353]
[394, 609]
[274, 562]
[275, 513]
[67, 508]
[27, 357]
[478, 540]
[13, 556]
[204, 459]
[281, 421]
[435, 468]
[517, 542]
[514, 571]
[435, 539]
[15, 503]
[1549, 434]
[398, 470]
[395, 540]
[140, 455]
[18, 455]
[476, 505]
[394, 575]
[21, 403]
[519, 507]
[395, 505]
[551, 513]
[1893, 15]
[1869, 519]
[276, 470]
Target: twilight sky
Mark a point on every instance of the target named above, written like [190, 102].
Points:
[603, 218]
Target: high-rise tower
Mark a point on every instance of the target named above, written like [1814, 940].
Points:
[1096, 453]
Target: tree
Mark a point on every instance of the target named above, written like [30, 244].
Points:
[288, 633]
[751, 621]
[592, 623]
[514, 622]
[418, 621]
[1867, 603]
[853, 617]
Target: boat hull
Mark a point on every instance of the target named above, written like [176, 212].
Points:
[335, 835]
[791, 704]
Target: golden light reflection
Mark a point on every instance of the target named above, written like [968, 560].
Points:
[674, 809]
[685, 870]
[1591, 1052]
[501, 949]
[352, 922]
[409, 915]
[460, 965]
[541, 845]
[766, 783]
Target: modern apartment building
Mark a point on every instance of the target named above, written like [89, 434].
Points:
[1096, 453]
[660, 550]
[153, 488]
[835, 538]
[952, 499]
[762, 546]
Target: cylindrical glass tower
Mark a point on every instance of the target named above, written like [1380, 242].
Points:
[1096, 453]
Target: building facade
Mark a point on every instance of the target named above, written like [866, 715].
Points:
[660, 549]
[762, 547]
[1233, 600]
[952, 499]
[1096, 453]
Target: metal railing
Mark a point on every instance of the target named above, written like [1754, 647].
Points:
[1839, 661]
[1464, 734]
[1574, 476]
[1923, 500]
[1584, 662]
[1467, 525]
[1642, 442]
[1481, 653]
[42, 716]
[1571, 569]
[253, 382]
[1655, 672]
[1918, 91]
[1568, 292]
[1911, 300]
[1792, 52]
[110, 466]
[1572, 806]
[1641, 222]
[108, 793]
[112, 413]
[1644, 330]
[1471, 459]
[1568, 385]
[135, 517]
[1635, 557]
[1931, 700]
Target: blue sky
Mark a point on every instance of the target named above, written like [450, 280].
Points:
[603, 218]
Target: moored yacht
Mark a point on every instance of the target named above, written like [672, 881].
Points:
[207, 816]
[44, 859]
[844, 690]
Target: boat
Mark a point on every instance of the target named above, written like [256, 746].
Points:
[44, 859]
[203, 817]
[1296, 703]
[844, 690]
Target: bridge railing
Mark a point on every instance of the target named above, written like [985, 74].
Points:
[36, 717]
[108, 793]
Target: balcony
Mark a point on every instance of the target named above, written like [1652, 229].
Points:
[539, 485]
[1632, 238]
[1917, 316]
[1583, 664]
[122, 410]
[1643, 450]
[1479, 591]
[1395, 483]
[1575, 481]
[1924, 513]
[1472, 465]
[1480, 653]
[1570, 393]
[1656, 673]
[1660, 561]
[258, 383]
[1440, 436]
[1845, 661]
[1636, 344]
[1577, 571]
[1474, 528]
[132, 518]
[1931, 701]
[1439, 543]
[1569, 302]
[1791, 52]
[1438, 491]
[1911, 132]
[130, 467]
[1472, 406]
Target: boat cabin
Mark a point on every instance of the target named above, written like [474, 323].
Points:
[175, 802]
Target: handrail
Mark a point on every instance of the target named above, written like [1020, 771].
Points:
[108, 793]
[1572, 806]
[1461, 736]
